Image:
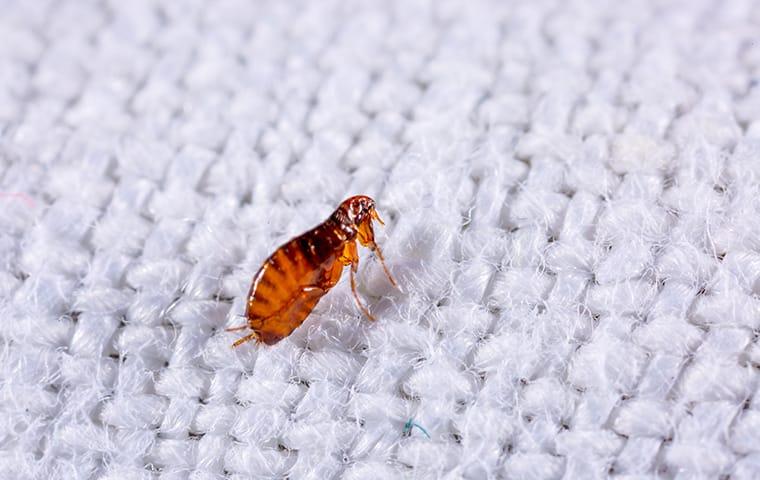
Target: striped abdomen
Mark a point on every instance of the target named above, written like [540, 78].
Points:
[292, 280]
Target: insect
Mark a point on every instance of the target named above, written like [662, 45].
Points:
[294, 278]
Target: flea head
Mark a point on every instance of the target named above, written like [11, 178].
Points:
[355, 216]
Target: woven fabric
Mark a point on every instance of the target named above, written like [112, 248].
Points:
[571, 198]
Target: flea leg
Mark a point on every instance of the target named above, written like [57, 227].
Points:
[367, 238]
[356, 295]
[235, 329]
[351, 257]
[375, 248]
[247, 338]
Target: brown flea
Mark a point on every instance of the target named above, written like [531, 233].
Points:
[294, 278]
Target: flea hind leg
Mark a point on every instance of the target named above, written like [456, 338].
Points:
[235, 329]
[247, 338]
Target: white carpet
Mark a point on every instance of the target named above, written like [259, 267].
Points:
[571, 191]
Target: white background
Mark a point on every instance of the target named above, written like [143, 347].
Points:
[571, 191]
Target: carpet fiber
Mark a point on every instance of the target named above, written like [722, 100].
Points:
[571, 197]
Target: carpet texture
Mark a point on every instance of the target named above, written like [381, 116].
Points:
[571, 192]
